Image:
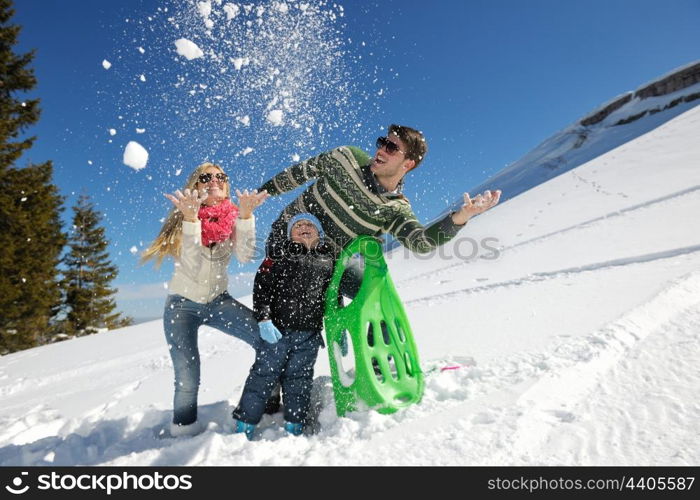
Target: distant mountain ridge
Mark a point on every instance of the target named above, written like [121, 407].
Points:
[614, 123]
[674, 82]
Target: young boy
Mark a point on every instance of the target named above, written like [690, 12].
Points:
[288, 301]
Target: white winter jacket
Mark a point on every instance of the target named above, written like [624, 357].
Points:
[201, 273]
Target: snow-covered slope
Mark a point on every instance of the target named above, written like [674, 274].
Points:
[578, 344]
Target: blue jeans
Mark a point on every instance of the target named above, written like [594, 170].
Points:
[290, 362]
[181, 320]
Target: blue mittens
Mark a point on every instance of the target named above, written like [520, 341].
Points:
[269, 332]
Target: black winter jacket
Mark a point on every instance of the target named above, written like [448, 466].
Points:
[290, 289]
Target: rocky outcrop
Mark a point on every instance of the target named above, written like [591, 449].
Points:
[674, 82]
[603, 113]
[653, 111]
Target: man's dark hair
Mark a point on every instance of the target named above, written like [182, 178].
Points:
[414, 140]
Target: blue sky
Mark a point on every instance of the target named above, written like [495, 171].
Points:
[485, 81]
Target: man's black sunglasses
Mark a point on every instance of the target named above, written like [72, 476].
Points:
[391, 147]
[204, 178]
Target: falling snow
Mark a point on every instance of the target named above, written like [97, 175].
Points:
[188, 49]
[275, 117]
[232, 84]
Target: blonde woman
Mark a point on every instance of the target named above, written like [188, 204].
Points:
[202, 232]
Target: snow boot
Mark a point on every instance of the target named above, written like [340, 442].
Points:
[242, 427]
[294, 429]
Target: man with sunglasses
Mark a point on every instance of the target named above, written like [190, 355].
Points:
[357, 194]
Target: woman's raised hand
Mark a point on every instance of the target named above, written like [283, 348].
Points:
[187, 202]
[247, 202]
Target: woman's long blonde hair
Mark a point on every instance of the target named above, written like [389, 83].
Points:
[169, 240]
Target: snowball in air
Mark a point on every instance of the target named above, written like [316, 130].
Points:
[239, 62]
[188, 49]
[112, 131]
[204, 9]
[275, 117]
[134, 250]
[106, 64]
[135, 155]
[231, 10]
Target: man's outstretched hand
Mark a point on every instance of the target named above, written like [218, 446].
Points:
[479, 204]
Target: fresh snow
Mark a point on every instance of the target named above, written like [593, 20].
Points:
[135, 155]
[275, 117]
[577, 345]
[204, 9]
[281, 7]
[231, 10]
[239, 62]
[188, 49]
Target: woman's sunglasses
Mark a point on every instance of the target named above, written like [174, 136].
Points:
[204, 178]
[390, 147]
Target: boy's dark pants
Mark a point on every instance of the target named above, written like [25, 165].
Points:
[290, 361]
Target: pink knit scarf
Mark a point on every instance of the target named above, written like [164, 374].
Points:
[218, 222]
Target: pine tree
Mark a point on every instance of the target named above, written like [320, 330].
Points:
[88, 299]
[30, 227]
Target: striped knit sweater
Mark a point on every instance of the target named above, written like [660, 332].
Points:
[348, 202]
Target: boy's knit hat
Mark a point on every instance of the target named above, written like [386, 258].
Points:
[305, 216]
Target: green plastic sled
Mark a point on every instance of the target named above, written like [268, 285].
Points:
[381, 348]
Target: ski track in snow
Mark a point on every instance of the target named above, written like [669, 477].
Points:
[432, 274]
[562, 406]
[541, 276]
